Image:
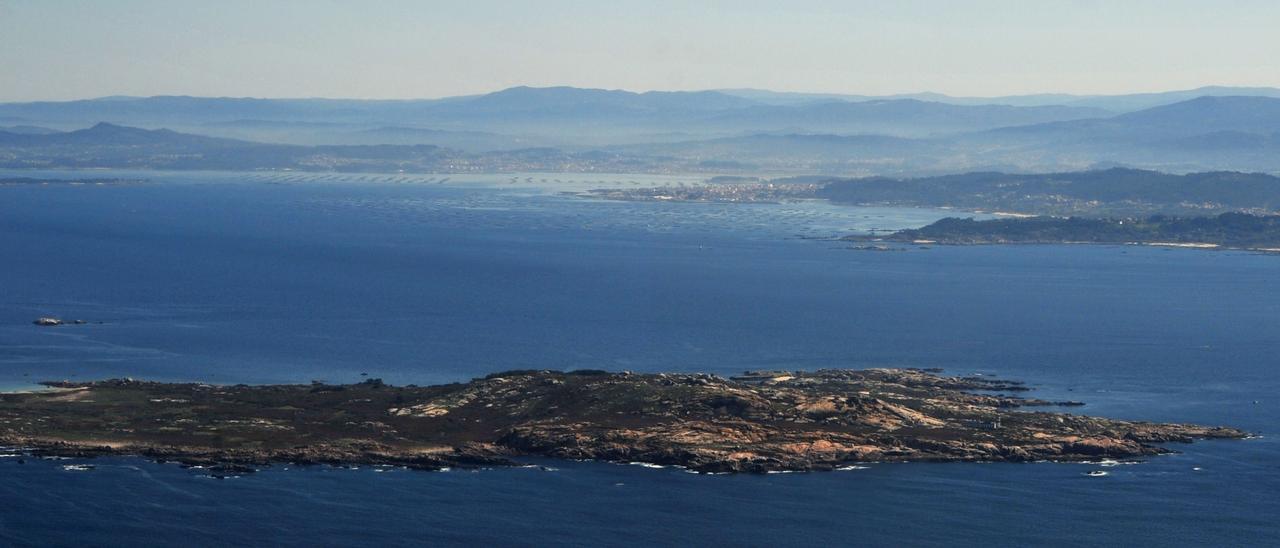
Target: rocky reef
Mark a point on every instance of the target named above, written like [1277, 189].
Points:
[757, 422]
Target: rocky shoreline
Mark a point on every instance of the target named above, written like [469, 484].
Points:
[757, 422]
[1238, 231]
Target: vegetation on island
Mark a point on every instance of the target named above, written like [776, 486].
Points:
[757, 422]
[1235, 230]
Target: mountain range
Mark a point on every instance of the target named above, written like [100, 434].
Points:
[544, 116]
[1114, 103]
[729, 130]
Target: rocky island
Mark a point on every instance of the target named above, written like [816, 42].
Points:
[757, 422]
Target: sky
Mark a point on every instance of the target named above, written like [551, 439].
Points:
[64, 49]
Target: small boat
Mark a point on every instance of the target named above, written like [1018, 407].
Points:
[1096, 473]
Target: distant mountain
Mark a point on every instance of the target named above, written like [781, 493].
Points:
[688, 130]
[1114, 103]
[520, 101]
[1206, 114]
[898, 117]
[791, 98]
[785, 98]
[579, 102]
[27, 130]
[108, 145]
[553, 115]
[1207, 133]
[1140, 101]
[1210, 131]
[614, 115]
[111, 134]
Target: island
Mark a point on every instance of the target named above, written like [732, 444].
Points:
[1228, 230]
[757, 422]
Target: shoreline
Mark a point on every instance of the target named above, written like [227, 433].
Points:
[224, 465]
[1241, 231]
[1202, 246]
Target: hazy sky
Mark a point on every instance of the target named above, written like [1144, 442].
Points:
[62, 49]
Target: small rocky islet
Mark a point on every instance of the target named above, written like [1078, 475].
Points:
[756, 422]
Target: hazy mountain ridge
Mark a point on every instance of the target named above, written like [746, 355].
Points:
[27, 130]
[1119, 103]
[560, 113]
[1196, 116]
[702, 131]
[897, 117]
[1205, 133]
[108, 145]
[108, 133]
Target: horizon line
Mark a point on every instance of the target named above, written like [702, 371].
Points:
[723, 90]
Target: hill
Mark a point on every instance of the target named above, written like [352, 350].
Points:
[1119, 103]
[1202, 134]
[1232, 230]
[1094, 193]
[1193, 117]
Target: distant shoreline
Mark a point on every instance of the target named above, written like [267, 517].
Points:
[25, 181]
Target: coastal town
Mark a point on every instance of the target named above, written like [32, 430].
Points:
[758, 192]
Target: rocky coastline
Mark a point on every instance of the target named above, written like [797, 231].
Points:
[757, 422]
[1239, 231]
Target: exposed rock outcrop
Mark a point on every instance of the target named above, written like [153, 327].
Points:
[760, 422]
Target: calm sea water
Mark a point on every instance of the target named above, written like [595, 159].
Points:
[289, 278]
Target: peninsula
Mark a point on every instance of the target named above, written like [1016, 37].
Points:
[1116, 193]
[1228, 230]
[757, 422]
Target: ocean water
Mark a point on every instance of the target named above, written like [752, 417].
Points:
[267, 278]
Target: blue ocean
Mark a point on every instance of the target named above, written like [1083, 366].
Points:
[289, 278]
